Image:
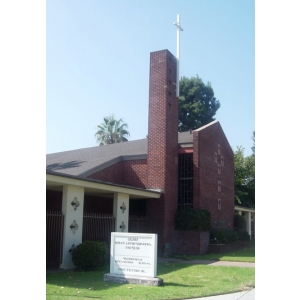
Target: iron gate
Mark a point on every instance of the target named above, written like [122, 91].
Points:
[54, 238]
[139, 224]
[97, 227]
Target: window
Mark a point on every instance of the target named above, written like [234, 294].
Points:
[185, 180]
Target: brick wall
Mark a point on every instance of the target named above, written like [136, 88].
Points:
[128, 172]
[191, 242]
[214, 174]
[112, 174]
[155, 212]
[135, 173]
[212, 158]
[163, 141]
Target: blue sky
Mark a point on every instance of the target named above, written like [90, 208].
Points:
[97, 63]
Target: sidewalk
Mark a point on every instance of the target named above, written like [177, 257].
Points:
[208, 262]
[245, 295]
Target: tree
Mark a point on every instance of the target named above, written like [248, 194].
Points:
[253, 138]
[112, 131]
[244, 177]
[197, 104]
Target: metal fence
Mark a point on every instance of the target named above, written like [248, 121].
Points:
[139, 224]
[97, 227]
[54, 238]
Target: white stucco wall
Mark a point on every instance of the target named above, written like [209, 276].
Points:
[71, 236]
[120, 216]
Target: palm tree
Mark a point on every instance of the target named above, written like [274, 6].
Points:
[112, 131]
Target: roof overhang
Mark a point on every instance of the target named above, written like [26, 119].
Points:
[185, 150]
[246, 209]
[94, 186]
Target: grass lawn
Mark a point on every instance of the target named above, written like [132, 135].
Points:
[180, 281]
[243, 255]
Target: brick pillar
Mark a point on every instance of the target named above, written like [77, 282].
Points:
[163, 142]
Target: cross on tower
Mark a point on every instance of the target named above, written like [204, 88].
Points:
[177, 24]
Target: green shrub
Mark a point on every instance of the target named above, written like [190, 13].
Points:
[239, 222]
[226, 236]
[222, 236]
[192, 219]
[90, 255]
[243, 235]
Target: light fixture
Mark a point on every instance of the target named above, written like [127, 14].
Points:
[123, 207]
[75, 203]
[74, 226]
[72, 248]
[122, 226]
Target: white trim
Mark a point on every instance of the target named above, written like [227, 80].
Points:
[240, 208]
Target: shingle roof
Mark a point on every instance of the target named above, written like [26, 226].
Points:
[76, 162]
[80, 162]
[185, 137]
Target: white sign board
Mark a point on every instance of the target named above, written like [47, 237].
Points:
[133, 254]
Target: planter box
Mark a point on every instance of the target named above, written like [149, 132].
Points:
[223, 248]
[190, 242]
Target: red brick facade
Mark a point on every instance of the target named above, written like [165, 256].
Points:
[190, 242]
[212, 182]
[213, 165]
[128, 172]
[163, 140]
[113, 174]
[214, 174]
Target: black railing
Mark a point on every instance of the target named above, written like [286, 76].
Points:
[97, 227]
[54, 238]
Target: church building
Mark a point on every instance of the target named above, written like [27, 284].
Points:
[137, 186]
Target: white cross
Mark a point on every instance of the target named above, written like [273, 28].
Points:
[177, 24]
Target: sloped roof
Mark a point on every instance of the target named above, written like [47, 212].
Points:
[77, 162]
[185, 139]
[83, 162]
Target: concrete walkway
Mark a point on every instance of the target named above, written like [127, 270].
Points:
[208, 262]
[245, 295]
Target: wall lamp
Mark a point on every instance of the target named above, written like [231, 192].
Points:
[75, 203]
[72, 248]
[74, 226]
[123, 207]
[122, 226]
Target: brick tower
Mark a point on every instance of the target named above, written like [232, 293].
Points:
[162, 158]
